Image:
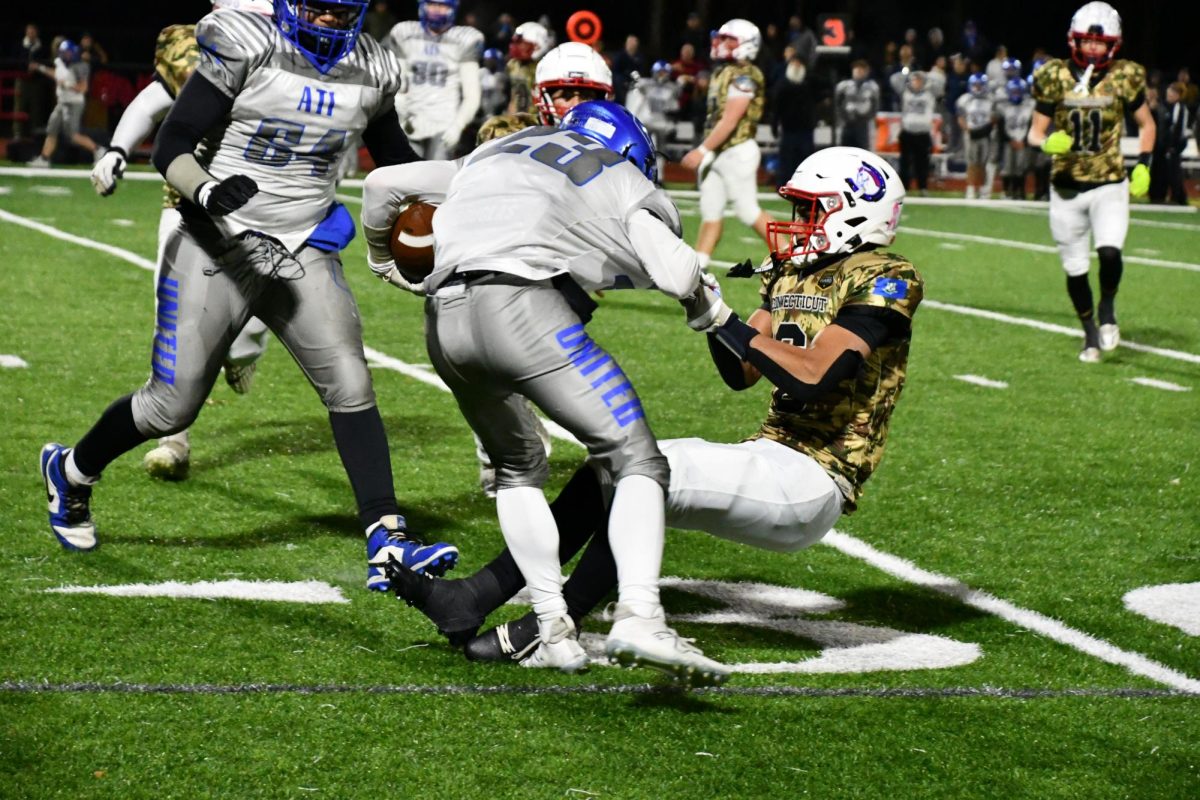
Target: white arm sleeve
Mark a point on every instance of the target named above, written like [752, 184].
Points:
[388, 189]
[472, 92]
[670, 263]
[140, 117]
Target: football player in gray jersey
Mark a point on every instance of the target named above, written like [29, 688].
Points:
[528, 224]
[251, 144]
[441, 60]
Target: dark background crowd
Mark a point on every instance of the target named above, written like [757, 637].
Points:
[954, 38]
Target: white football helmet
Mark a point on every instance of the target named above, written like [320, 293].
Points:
[842, 199]
[738, 39]
[252, 6]
[1095, 22]
[571, 66]
[529, 42]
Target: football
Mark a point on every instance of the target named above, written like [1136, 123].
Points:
[412, 241]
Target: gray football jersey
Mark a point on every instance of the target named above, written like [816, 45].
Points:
[917, 110]
[1017, 117]
[542, 202]
[289, 124]
[431, 63]
[977, 110]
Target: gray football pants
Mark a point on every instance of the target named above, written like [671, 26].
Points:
[494, 342]
[208, 288]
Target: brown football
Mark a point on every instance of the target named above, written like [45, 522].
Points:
[412, 241]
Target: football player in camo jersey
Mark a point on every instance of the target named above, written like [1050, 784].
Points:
[832, 335]
[527, 225]
[727, 158]
[1087, 97]
[441, 60]
[175, 57]
[529, 43]
[251, 145]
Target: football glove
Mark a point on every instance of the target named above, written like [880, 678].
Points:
[450, 139]
[1139, 181]
[219, 199]
[108, 170]
[704, 307]
[1057, 143]
[389, 273]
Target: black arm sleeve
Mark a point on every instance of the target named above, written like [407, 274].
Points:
[386, 142]
[199, 107]
[845, 366]
[729, 366]
[1045, 109]
[875, 326]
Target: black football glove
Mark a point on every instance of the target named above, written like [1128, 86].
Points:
[219, 199]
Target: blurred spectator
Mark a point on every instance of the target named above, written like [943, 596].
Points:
[695, 35]
[937, 46]
[915, 46]
[906, 63]
[804, 40]
[918, 107]
[856, 100]
[697, 108]
[493, 83]
[685, 69]
[956, 87]
[973, 45]
[1174, 121]
[380, 20]
[995, 68]
[1190, 92]
[92, 51]
[795, 99]
[770, 54]
[30, 90]
[935, 77]
[625, 65]
[502, 32]
[890, 57]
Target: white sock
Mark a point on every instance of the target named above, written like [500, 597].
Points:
[636, 530]
[531, 535]
[179, 438]
[704, 258]
[970, 192]
[74, 475]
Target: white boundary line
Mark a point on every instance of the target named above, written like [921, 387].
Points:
[893, 565]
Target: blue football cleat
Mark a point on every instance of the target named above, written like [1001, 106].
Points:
[388, 538]
[70, 517]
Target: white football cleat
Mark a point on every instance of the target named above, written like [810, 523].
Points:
[1090, 355]
[1110, 337]
[39, 162]
[559, 648]
[637, 641]
[170, 460]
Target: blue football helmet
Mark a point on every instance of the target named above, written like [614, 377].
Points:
[977, 84]
[660, 67]
[1016, 89]
[616, 128]
[436, 20]
[68, 51]
[1037, 64]
[1011, 67]
[323, 46]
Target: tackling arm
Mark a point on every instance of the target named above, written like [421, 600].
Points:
[670, 263]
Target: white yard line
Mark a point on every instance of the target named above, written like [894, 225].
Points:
[844, 543]
[979, 380]
[1155, 383]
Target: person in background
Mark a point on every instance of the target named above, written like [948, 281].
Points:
[918, 107]
[976, 119]
[380, 20]
[856, 100]
[1174, 122]
[795, 98]
[529, 43]
[28, 93]
[1016, 112]
[655, 101]
[71, 75]
[627, 67]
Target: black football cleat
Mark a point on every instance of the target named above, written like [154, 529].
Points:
[513, 641]
[449, 604]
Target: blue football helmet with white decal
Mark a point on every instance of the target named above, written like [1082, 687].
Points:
[324, 31]
[616, 128]
[978, 84]
[69, 51]
[1016, 90]
[437, 16]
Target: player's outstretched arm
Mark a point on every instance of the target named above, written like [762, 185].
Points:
[150, 105]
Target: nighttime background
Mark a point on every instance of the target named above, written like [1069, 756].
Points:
[1154, 33]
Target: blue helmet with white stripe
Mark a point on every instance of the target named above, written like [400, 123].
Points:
[977, 83]
[437, 16]
[324, 31]
[1016, 89]
[617, 129]
[68, 51]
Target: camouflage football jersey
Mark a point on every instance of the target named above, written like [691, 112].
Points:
[176, 55]
[744, 80]
[845, 430]
[521, 76]
[1094, 117]
[432, 61]
[289, 124]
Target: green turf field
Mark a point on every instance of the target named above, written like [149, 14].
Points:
[966, 634]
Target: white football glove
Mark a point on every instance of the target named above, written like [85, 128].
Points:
[389, 273]
[108, 170]
[450, 138]
[704, 307]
